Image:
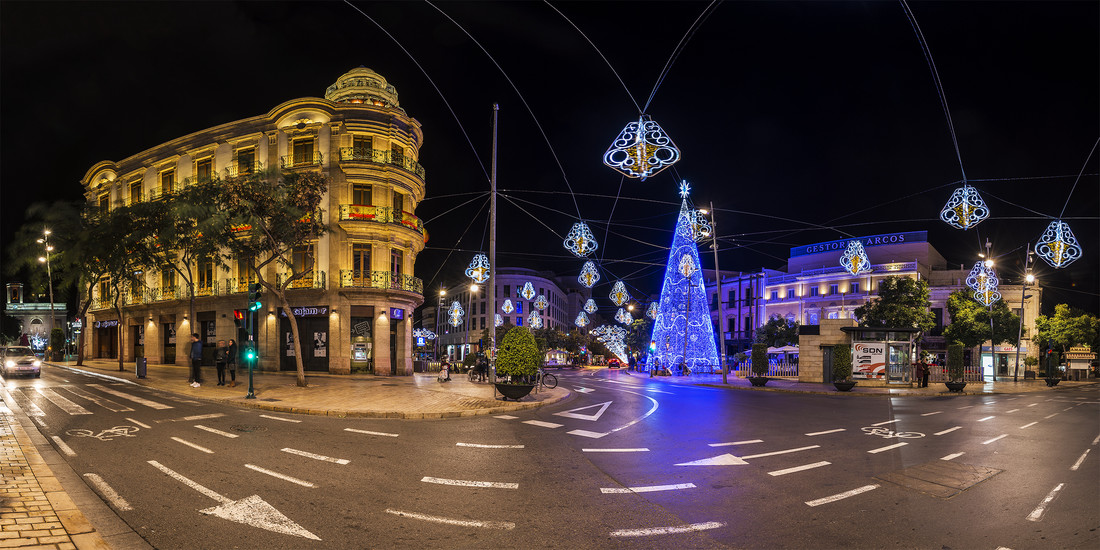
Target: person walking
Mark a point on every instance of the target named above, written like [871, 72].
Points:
[231, 363]
[925, 371]
[220, 354]
[196, 361]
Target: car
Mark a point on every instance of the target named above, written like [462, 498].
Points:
[614, 363]
[19, 360]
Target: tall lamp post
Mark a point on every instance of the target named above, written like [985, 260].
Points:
[1028, 279]
[45, 242]
[718, 290]
[438, 319]
[470, 317]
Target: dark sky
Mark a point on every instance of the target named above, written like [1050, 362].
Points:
[801, 121]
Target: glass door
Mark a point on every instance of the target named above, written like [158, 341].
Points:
[897, 363]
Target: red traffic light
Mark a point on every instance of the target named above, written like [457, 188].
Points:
[238, 314]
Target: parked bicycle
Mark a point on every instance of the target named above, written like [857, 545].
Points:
[544, 379]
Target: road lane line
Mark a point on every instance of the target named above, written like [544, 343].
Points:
[62, 402]
[503, 525]
[368, 432]
[1079, 461]
[761, 455]
[1097, 440]
[588, 434]
[483, 446]
[671, 530]
[506, 417]
[1012, 411]
[646, 489]
[61, 445]
[635, 450]
[192, 445]
[988, 441]
[101, 401]
[949, 430]
[1037, 514]
[1068, 408]
[887, 422]
[340, 461]
[134, 398]
[466, 483]
[841, 496]
[986, 418]
[172, 474]
[216, 431]
[146, 426]
[931, 413]
[811, 434]
[888, 447]
[108, 493]
[799, 468]
[1032, 405]
[200, 417]
[279, 418]
[952, 456]
[745, 442]
[966, 407]
[1049, 416]
[542, 424]
[1028, 425]
[280, 476]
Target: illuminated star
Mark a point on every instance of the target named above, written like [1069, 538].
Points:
[684, 189]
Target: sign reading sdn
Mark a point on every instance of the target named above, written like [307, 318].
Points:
[873, 240]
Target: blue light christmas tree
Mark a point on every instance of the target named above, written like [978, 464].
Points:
[683, 331]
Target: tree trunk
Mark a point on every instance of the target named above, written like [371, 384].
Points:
[297, 339]
[118, 310]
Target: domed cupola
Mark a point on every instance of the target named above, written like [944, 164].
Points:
[362, 85]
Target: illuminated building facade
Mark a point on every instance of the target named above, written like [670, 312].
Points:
[355, 311]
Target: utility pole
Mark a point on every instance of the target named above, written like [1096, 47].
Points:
[718, 289]
[491, 293]
[1028, 277]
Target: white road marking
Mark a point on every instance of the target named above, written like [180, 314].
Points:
[655, 390]
[466, 483]
[542, 424]
[37, 419]
[1068, 408]
[134, 398]
[483, 446]
[720, 460]
[61, 402]
[966, 407]
[189, 483]
[887, 448]
[783, 452]
[988, 441]
[986, 418]
[192, 445]
[823, 432]
[108, 493]
[280, 418]
[280, 476]
[650, 531]
[644, 416]
[799, 468]
[745, 442]
[132, 421]
[1032, 405]
[61, 445]
[634, 450]
[101, 401]
[506, 417]
[1012, 411]
[1079, 461]
[952, 456]
[1049, 416]
[34, 410]
[1037, 514]
[1028, 425]
[931, 413]
[586, 433]
[201, 417]
[340, 461]
[949, 430]
[887, 422]
[368, 432]
[646, 489]
[1097, 440]
[504, 525]
[216, 431]
[841, 496]
[572, 413]
[580, 390]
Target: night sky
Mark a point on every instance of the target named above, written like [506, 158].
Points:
[802, 121]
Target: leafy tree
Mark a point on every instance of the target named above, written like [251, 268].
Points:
[902, 303]
[970, 321]
[778, 332]
[270, 215]
[638, 334]
[518, 356]
[122, 256]
[1068, 327]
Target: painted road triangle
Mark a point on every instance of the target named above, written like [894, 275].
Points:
[572, 413]
[720, 460]
[257, 513]
[582, 390]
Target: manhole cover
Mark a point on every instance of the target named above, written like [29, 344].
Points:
[940, 478]
[242, 428]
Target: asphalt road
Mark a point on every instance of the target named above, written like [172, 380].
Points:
[624, 462]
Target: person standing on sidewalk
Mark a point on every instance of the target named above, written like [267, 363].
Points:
[196, 360]
[231, 363]
[220, 354]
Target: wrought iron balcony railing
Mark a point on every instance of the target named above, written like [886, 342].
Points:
[301, 160]
[316, 279]
[239, 169]
[380, 214]
[378, 156]
[380, 279]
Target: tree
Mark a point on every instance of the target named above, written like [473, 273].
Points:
[778, 332]
[902, 303]
[970, 321]
[271, 215]
[638, 333]
[123, 255]
[518, 356]
[1068, 327]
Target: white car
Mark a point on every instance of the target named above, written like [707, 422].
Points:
[19, 360]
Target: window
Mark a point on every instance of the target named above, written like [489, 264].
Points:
[832, 315]
[104, 202]
[205, 276]
[167, 279]
[360, 261]
[748, 293]
[361, 194]
[204, 169]
[397, 154]
[790, 294]
[361, 147]
[104, 289]
[243, 275]
[483, 320]
[834, 289]
[398, 205]
[519, 321]
[748, 323]
[135, 191]
[483, 309]
[302, 258]
[246, 161]
[853, 288]
[167, 181]
[775, 295]
[397, 261]
[519, 307]
[303, 151]
[731, 324]
[813, 291]
[507, 290]
[731, 297]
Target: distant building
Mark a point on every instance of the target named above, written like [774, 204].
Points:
[36, 319]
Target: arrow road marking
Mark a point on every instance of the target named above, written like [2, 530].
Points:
[340, 461]
[504, 525]
[646, 489]
[249, 511]
[572, 413]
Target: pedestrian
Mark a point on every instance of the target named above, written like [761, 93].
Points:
[445, 368]
[482, 367]
[231, 363]
[196, 361]
[220, 354]
[926, 370]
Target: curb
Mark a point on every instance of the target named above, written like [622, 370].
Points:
[946, 393]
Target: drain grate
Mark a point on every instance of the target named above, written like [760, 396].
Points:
[243, 428]
[940, 478]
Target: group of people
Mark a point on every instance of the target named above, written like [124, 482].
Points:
[480, 368]
[225, 358]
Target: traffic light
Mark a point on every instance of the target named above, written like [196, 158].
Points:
[238, 318]
[254, 294]
[250, 351]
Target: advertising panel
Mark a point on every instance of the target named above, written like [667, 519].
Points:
[868, 360]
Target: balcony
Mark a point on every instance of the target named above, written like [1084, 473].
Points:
[301, 160]
[380, 214]
[237, 286]
[385, 280]
[315, 279]
[378, 156]
[238, 169]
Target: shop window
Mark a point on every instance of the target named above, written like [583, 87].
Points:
[204, 169]
[361, 194]
[246, 160]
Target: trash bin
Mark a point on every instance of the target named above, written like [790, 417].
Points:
[142, 367]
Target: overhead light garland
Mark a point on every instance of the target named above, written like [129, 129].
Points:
[965, 208]
[589, 274]
[623, 316]
[619, 295]
[590, 306]
[854, 260]
[507, 306]
[986, 292]
[534, 319]
[540, 303]
[641, 150]
[499, 320]
[613, 338]
[652, 311]
[456, 312]
[423, 333]
[479, 268]
[1058, 246]
[581, 320]
[528, 291]
[580, 240]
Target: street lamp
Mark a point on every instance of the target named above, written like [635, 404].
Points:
[438, 319]
[470, 326]
[1028, 279]
[718, 290]
[45, 242]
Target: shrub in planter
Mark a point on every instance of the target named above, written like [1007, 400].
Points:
[955, 362]
[518, 356]
[842, 363]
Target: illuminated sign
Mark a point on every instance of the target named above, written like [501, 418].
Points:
[868, 360]
[397, 313]
[106, 324]
[873, 240]
[308, 311]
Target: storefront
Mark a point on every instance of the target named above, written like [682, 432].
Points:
[882, 355]
[362, 339]
[312, 331]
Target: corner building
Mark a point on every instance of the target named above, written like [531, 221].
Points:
[355, 312]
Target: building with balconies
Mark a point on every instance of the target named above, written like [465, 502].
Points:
[354, 310]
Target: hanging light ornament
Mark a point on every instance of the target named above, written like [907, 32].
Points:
[499, 320]
[581, 320]
[479, 268]
[1058, 246]
[507, 306]
[528, 291]
[623, 316]
[619, 295]
[641, 150]
[965, 208]
[589, 274]
[687, 266]
[534, 320]
[590, 306]
[423, 333]
[986, 291]
[580, 240]
[975, 274]
[854, 260]
[541, 303]
[456, 313]
[700, 226]
[653, 311]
